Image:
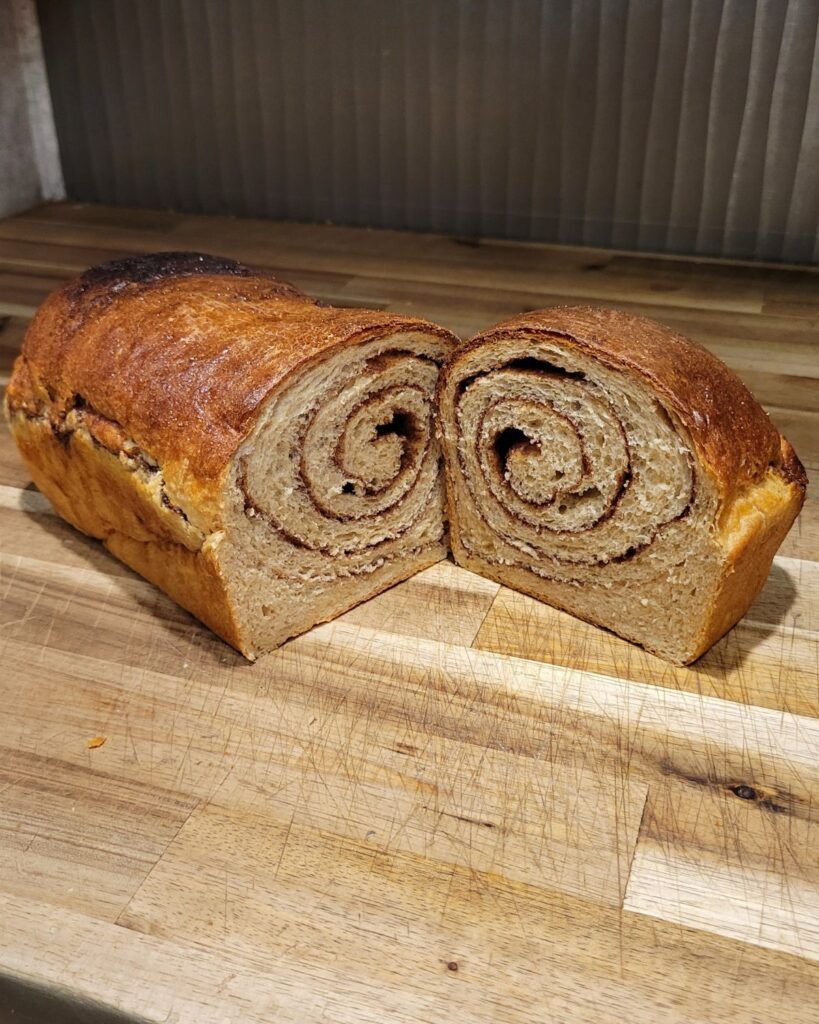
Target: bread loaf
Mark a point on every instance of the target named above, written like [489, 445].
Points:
[266, 460]
[608, 466]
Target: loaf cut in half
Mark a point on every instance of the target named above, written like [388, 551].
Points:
[616, 470]
[267, 461]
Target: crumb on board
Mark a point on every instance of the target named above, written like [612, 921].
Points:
[95, 741]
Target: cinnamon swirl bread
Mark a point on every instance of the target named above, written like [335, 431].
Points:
[267, 461]
[608, 466]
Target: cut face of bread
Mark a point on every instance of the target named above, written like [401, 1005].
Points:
[609, 467]
[337, 491]
[267, 461]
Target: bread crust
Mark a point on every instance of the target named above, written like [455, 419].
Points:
[137, 383]
[182, 349]
[757, 475]
[754, 525]
[92, 489]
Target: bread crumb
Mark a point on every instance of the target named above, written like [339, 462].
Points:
[95, 741]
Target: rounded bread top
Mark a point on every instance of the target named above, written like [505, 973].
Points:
[731, 432]
[180, 349]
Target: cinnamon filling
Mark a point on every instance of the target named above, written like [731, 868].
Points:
[533, 485]
[105, 434]
[387, 422]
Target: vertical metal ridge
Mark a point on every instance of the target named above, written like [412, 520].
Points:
[155, 112]
[114, 141]
[84, 152]
[692, 133]
[544, 112]
[742, 207]
[601, 186]
[640, 72]
[728, 100]
[177, 170]
[488, 72]
[524, 58]
[415, 140]
[189, 141]
[685, 88]
[660, 150]
[578, 110]
[239, 113]
[802, 213]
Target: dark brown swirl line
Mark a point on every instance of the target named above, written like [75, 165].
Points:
[626, 480]
[622, 483]
[415, 450]
[409, 450]
[255, 511]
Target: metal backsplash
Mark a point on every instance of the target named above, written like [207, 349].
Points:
[684, 125]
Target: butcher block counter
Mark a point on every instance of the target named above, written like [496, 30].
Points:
[451, 804]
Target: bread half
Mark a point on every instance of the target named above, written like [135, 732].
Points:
[267, 461]
[614, 469]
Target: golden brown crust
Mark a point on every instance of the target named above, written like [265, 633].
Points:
[98, 494]
[192, 579]
[730, 430]
[183, 349]
[753, 527]
[746, 572]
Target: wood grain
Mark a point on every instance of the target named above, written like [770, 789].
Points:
[86, 837]
[453, 803]
[771, 659]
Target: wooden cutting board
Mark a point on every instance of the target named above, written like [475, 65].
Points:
[451, 804]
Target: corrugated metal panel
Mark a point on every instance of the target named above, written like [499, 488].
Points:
[682, 125]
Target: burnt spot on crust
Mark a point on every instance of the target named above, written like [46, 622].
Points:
[102, 284]
[149, 268]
